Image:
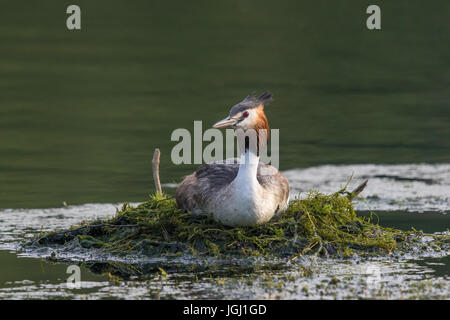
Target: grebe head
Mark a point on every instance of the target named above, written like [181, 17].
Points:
[248, 114]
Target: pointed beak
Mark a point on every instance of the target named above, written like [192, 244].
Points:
[225, 123]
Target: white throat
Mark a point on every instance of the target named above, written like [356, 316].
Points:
[248, 168]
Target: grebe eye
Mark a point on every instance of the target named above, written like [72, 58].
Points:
[245, 114]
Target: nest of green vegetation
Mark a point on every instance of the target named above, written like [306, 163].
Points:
[325, 225]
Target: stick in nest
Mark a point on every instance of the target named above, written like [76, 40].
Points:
[155, 166]
[359, 189]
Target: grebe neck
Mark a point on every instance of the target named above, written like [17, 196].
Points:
[248, 168]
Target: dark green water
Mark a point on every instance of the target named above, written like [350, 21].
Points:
[82, 111]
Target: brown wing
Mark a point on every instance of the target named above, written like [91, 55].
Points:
[196, 189]
[275, 183]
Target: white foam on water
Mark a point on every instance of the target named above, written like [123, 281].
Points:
[405, 187]
[17, 225]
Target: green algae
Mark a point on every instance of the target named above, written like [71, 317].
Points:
[174, 241]
[325, 225]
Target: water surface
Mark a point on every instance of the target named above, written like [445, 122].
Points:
[419, 274]
[81, 113]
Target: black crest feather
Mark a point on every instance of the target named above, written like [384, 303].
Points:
[252, 101]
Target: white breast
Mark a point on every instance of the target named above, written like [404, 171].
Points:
[244, 202]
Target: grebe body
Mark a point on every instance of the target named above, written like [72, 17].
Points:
[238, 192]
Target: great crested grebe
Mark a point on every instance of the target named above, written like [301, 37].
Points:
[238, 192]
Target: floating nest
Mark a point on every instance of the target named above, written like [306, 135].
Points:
[324, 225]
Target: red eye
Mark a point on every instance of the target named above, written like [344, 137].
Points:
[245, 114]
